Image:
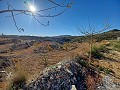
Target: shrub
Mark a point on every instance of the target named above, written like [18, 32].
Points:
[101, 68]
[45, 60]
[66, 45]
[106, 70]
[81, 60]
[97, 51]
[115, 45]
[18, 80]
[49, 48]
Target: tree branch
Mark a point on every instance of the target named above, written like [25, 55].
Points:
[35, 14]
[57, 3]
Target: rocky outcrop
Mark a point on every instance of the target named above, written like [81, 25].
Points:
[4, 63]
[63, 75]
[108, 84]
[19, 46]
[9, 41]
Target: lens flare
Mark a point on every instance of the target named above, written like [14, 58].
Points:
[32, 8]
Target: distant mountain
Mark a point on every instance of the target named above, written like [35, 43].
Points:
[114, 30]
[109, 35]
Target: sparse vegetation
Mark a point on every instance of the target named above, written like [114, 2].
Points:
[115, 45]
[42, 54]
[81, 60]
[106, 70]
[66, 46]
[45, 60]
[101, 68]
[98, 50]
[18, 80]
[78, 52]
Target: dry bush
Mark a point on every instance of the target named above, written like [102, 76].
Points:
[115, 45]
[18, 79]
[49, 48]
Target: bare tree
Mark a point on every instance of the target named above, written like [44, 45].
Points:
[90, 31]
[36, 14]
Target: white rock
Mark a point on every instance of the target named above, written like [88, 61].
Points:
[73, 87]
[2, 71]
[59, 66]
[69, 71]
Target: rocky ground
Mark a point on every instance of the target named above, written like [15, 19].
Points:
[108, 84]
[72, 74]
[65, 74]
[60, 74]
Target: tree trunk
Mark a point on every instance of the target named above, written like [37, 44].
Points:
[91, 44]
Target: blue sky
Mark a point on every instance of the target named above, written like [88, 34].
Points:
[82, 10]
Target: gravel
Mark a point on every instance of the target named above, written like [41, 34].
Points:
[61, 77]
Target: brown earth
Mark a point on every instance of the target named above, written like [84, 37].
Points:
[33, 63]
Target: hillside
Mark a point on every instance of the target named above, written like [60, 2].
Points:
[31, 55]
[109, 35]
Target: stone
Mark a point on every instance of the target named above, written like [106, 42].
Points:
[67, 75]
[73, 87]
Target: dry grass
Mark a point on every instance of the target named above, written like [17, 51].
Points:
[17, 79]
[32, 62]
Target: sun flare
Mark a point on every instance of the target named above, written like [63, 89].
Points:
[32, 8]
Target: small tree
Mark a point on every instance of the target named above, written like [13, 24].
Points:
[90, 31]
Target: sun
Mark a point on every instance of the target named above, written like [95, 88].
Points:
[32, 8]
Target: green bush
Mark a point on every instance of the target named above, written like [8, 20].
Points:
[115, 45]
[81, 60]
[97, 51]
[101, 48]
[106, 70]
[101, 68]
